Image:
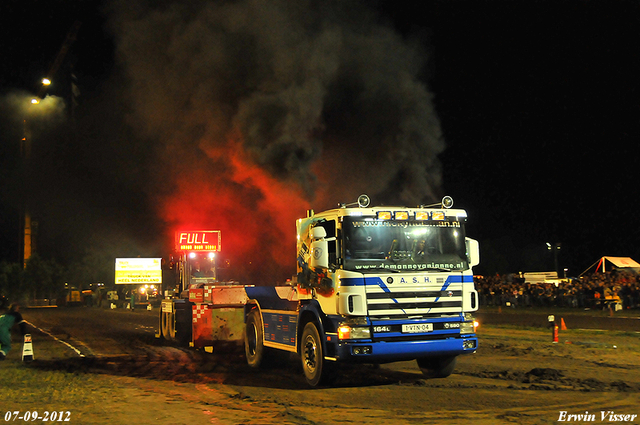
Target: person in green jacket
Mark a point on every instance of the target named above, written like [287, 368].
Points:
[12, 317]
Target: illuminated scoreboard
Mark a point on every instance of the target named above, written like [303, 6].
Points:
[199, 240]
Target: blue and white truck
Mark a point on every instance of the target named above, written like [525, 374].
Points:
[373, 285]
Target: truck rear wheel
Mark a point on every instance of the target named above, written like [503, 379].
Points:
[312, 355]
[253, 339]
[437, 367]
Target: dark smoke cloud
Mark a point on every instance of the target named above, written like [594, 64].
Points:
[267, 106]
[294, 79]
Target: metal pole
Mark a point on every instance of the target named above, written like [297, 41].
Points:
[25, 150]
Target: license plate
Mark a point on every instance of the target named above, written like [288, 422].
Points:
[413, 329]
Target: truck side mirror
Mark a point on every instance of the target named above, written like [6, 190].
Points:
[319, 248]
[318, 232]
[473, 251]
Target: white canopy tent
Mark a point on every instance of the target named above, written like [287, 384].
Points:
[619, 262]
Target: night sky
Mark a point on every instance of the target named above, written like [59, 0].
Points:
[245, 115]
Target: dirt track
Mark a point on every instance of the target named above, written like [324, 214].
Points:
[517, 376]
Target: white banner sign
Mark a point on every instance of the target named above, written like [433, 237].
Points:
[137, 271]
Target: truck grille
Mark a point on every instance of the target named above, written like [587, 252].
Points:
[388, 302]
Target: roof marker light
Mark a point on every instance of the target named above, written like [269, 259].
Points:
[447, 202]
[363, 201]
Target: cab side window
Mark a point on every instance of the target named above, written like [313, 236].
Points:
[330, 228]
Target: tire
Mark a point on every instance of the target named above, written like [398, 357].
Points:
[437, 367]
[168, 326]
[253, 339]
[312, 355]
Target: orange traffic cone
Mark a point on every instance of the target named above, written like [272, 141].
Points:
[555, 334]
[563, 327]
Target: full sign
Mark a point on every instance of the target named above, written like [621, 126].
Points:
[198, 240]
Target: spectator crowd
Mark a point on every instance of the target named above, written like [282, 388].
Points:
[597, 290]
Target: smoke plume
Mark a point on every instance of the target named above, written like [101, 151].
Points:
[257, 110]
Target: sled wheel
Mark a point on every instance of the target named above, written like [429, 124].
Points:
[168, 327]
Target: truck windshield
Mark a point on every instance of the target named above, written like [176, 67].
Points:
[371, 244]
[201, 269]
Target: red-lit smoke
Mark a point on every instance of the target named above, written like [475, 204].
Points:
[255, 212]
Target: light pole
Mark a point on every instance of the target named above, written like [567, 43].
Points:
[29, 225]
[25, 154]
[28, 241]
[555, 248]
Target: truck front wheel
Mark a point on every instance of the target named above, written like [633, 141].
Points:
[312, 355]
[253, 343]
[437, 367]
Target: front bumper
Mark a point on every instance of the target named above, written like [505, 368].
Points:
[370, 351]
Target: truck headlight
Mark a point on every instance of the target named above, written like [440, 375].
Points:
[467, 328]
[348, 332]
[469, 325]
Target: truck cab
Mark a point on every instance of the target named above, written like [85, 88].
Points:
[374, 285]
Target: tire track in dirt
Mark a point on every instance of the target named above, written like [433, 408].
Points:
[163, 363]
[550, 379]
[56, 338]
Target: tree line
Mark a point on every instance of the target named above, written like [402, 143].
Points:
[48, 279]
